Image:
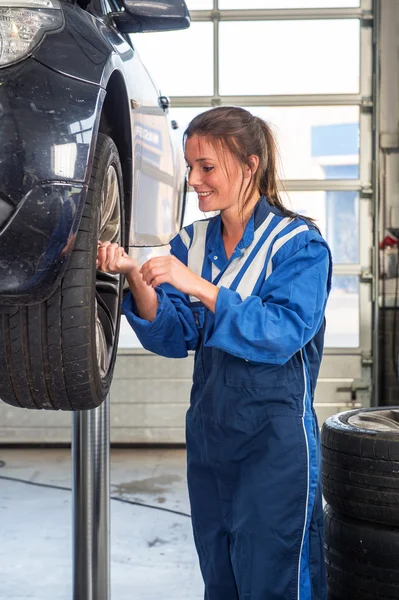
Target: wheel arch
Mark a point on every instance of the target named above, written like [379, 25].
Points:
[115, 121]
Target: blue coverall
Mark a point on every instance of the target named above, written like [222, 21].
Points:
[252, 436]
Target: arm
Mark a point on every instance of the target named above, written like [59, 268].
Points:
[161, 318]
[168, 269]
[145, 296]
[111, 258]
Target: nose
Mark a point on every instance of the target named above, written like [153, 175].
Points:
[194, 177]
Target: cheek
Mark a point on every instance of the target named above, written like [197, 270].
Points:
[217, 181]
[211, 180]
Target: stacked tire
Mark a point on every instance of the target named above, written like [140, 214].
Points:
[360, 476]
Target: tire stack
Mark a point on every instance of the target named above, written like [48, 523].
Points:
[360, 476]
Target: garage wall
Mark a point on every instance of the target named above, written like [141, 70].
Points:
[149, 398]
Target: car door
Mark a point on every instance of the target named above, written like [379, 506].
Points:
[157, 205]
[158, 168]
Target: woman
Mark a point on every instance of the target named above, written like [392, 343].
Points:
[247, 291]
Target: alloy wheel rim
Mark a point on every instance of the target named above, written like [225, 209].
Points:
[377, 420]
[108, 284]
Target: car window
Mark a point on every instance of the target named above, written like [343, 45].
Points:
[112, 6]
[92, 6]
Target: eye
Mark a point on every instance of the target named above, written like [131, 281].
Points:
[207, 169]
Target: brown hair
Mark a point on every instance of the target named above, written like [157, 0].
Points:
[243, 134]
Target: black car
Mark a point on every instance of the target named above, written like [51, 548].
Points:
[87, 153]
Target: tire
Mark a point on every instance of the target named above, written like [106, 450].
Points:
[60, 354]
[362, 559]
[360, 464]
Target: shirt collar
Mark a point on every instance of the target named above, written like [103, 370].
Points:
[261, 211]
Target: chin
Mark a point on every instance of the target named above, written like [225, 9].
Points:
[206, 207]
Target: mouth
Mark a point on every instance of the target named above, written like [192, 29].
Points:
[204, 194]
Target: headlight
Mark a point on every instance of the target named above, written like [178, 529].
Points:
[23, 24]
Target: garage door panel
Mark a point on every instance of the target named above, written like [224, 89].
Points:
[148, 435]
[119, 435]
[340, 366]
[20, 418]
[141, 420]
[152, 414]
[162, 391]
[149, 414]
[150, 366]
[35, 435]
[328, 391]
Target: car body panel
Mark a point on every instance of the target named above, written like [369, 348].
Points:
[157, 186]
[47, 127]
[50, 112]
[35, 244]
[157, 189]
[82, 49]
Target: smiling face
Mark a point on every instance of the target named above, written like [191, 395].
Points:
[215, 174]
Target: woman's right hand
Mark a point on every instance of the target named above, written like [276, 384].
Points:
[112, 258]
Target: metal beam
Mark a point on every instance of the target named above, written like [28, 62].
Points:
[316, 185]
[216, 77]
[284, 14]
[347, 269]
[375, 399]
[272, 100]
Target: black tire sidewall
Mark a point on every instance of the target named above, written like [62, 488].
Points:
[338, 426]
[106, 154]
[359, 553]
[360, 469]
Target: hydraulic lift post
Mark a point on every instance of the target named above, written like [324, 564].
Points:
[91, 503]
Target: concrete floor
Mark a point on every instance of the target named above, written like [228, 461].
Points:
[152, 551]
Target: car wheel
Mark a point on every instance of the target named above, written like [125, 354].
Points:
[361, 559]
[60, 354]
[360, 464]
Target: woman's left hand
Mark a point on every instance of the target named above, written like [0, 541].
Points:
[168, 269]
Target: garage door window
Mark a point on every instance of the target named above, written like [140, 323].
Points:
[342, 314]
[311, 63]
[270, 4]
[180, 63]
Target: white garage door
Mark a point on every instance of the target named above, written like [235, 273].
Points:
[306, 67]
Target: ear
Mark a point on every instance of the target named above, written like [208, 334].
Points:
[253, 164]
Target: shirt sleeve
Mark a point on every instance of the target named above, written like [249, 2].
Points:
[289, 311]
[173, 331]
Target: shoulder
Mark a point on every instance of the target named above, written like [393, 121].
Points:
[294, 233]
[299, 250]
[295, 236]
